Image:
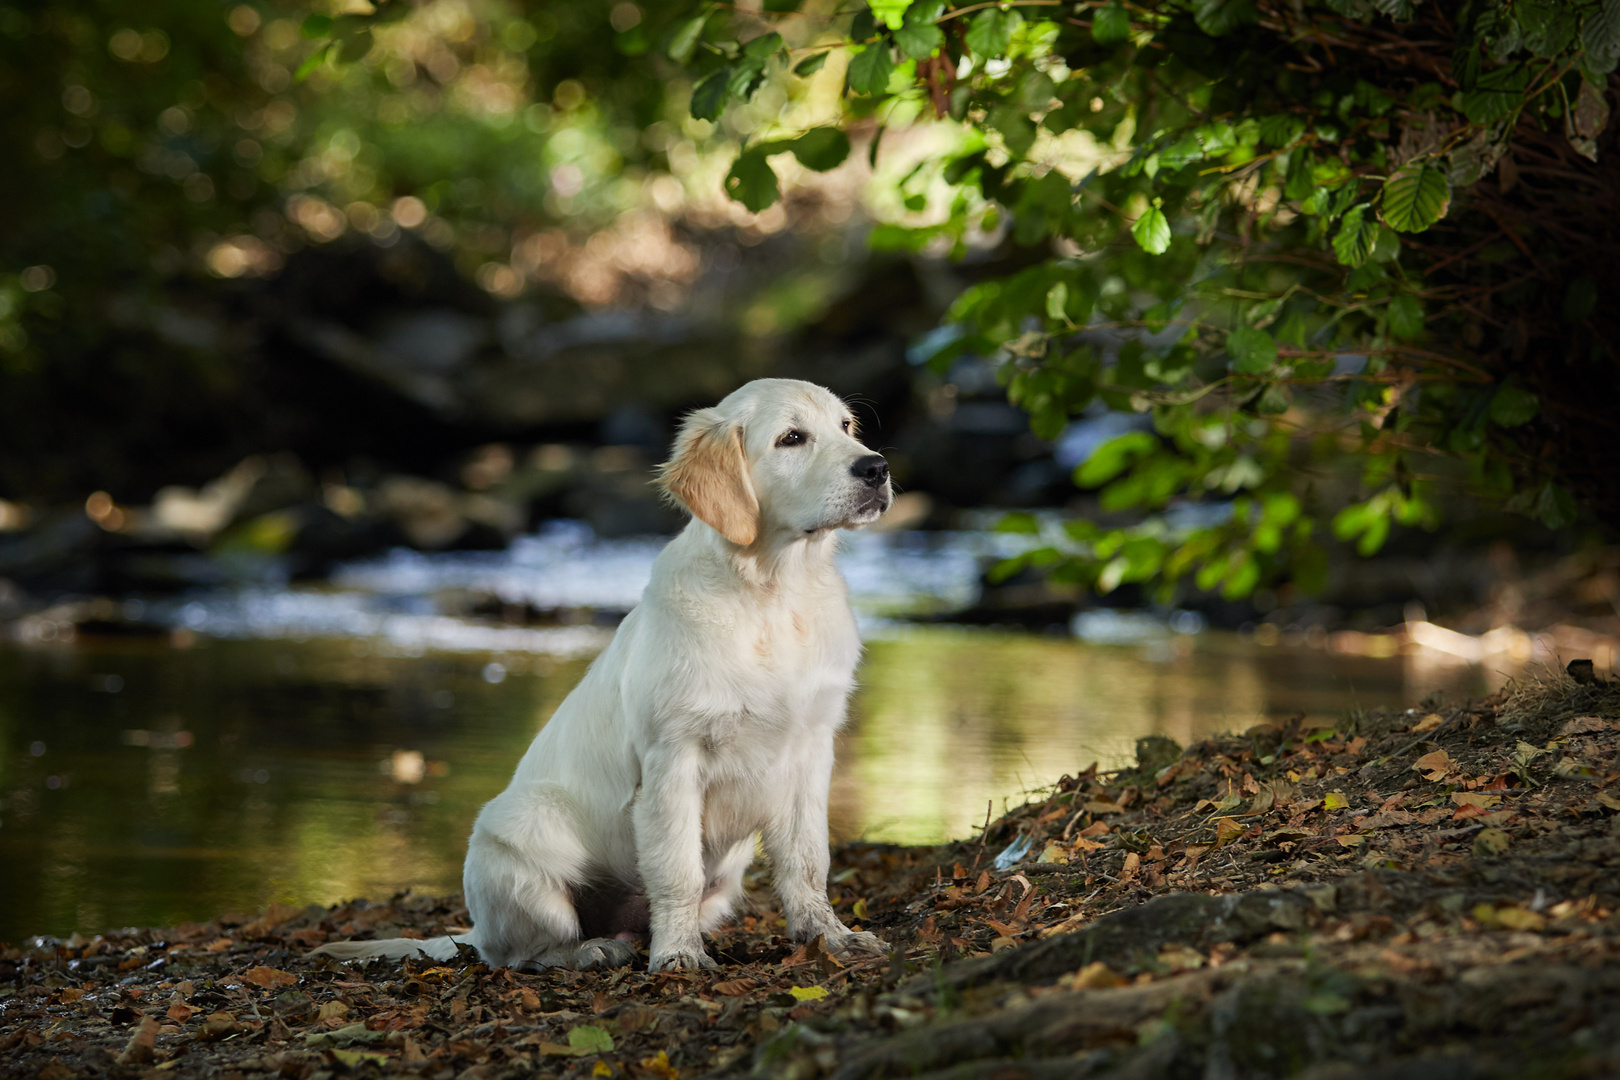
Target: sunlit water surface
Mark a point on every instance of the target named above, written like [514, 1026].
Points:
[310, 746]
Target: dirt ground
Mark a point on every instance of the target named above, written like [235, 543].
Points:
[1431, 894]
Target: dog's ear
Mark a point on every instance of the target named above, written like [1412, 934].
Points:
[708, 474]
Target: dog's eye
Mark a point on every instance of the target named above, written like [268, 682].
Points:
[847, 424]
[792, 438]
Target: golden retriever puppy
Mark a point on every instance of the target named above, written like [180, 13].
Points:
[708, 721]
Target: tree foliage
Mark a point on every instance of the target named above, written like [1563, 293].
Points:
[1333, 253]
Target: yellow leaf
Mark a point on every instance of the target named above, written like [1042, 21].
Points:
[1469, 798]
[1491, 842]
[356, 1058]
[859, 911]
[1053, 853]
[1518, 918]
[601, 1068]
[808, 993]
[590, 1039]
[1335, 800]
[658, 1065]
[1351, 839]
[1226, 830]
[1096, 976]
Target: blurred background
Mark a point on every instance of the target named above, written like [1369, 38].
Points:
[329, 395]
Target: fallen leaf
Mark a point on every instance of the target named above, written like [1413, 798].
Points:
[1227, 830]
[142, 1045]
[331, 1011]
[218, 945]
[1132, 862]
[1428, 723]
[1096, 976]
[356, 1058]
[590, 1039]
[1351, 839]
[858, 909]
[1335, 800]
[219, 1025]
[269, 977]
[1434, 765]
[1356, 745]
[735, 987]
[179, 1011]
[1179, 958]
[1053, 853]
[658, 1065]
[55, 1069]
[1470, 798]
[1491, 842]
[1585, 725]
[808, 993]
[601, 1068]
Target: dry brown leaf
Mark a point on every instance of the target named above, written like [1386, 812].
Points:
[735, 987]
[179, 1011]
[1586, 725]
[142, 1045]
[270, 978]
[332, 1013]
[1434, 765]
[1226, 830]
[1428, 723]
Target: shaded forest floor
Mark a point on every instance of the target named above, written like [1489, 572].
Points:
[1433, 893]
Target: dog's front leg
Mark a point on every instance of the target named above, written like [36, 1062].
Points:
[668, 818]
[796, 843]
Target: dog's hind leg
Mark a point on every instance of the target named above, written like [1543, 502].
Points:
[524, 862]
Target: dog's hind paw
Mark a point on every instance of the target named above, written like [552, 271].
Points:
[854, 944]
[602, 952]
[582, 955]
[681, 959]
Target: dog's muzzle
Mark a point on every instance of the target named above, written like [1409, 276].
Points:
[873, 473]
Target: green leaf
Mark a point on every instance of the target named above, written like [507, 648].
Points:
[820, 149]
[869, 71]
[1354, 241]
[918, 41]
[316, 26]
[1152, 231]
[1555, 507]
[745, 76]
[1111, 25]
[752, 181]
[1113, 457]
[1253, 352]
[1497, 95]
[1512, 406]
[313, 61]
[709, 96]
[991, 32]
[811, 64]
[1220, 17]
[1057, 298]
[590, 1039]
[763, 47]
[1414, 198]
[683, 40]
[891, 12]
[1406, 317]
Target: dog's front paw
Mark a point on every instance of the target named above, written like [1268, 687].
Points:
[687, 959]
[855, 944]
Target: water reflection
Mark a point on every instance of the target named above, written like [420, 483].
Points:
[146, 784]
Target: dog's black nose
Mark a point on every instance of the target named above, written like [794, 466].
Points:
[872, 469]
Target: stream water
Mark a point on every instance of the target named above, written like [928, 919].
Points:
[308, 745]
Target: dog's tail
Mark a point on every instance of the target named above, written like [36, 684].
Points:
[439, 948]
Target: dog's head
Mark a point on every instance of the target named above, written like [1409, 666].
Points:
[776, 457]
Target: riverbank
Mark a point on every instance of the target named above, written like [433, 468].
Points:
[1430, 891]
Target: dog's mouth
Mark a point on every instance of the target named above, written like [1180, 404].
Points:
[871, 505]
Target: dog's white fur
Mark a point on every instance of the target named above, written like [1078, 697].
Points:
[709, 719]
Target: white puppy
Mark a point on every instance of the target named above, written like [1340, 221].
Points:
[708, 719]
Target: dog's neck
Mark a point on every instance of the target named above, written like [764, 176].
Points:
[779, 560]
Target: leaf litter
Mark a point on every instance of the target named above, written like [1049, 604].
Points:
[1427, 890]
